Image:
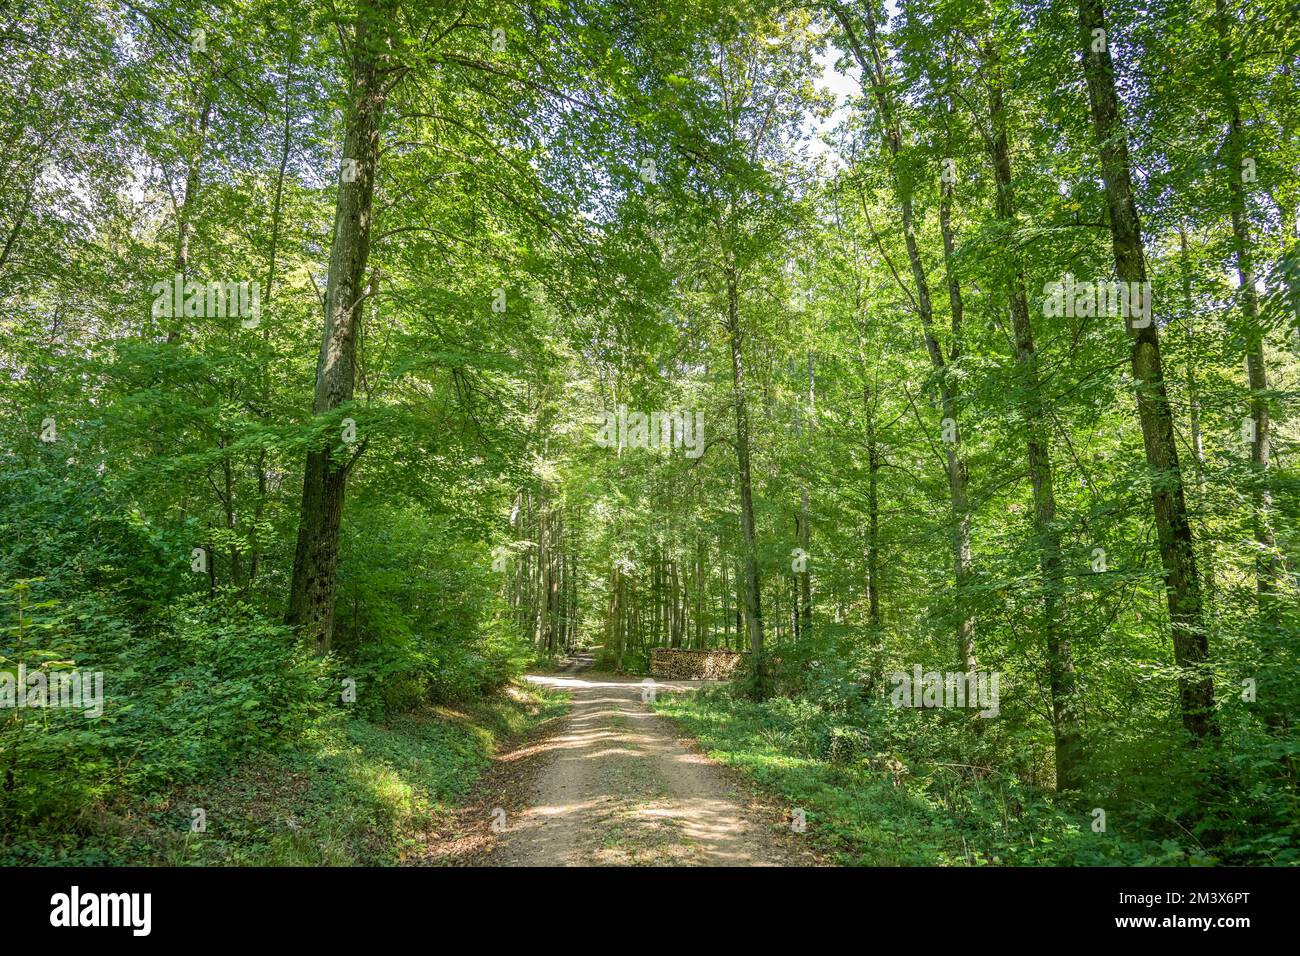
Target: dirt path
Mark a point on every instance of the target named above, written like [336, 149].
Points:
[613, 785]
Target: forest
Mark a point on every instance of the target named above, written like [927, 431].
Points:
[895, 399]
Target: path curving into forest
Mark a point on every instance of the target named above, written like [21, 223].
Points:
[616, 785]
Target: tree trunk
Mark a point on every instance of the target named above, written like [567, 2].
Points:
[874, 460]
[804, 617]
[1060, 663]
[873, 517]
[724, 596]
[874, 77]
[1266, 561]
[1194, 409]
[958, 475]
[277, 212]
[185, 209]
[701, 584]
[1182, 586]
[311, 595]
[750, 584]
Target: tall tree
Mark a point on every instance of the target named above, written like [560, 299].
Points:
[1060, 663]
[1182, 584]
[1266, 562]
[315, 566]
[870, 57]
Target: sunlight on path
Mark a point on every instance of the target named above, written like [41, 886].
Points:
[618, 788]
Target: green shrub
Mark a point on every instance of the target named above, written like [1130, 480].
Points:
[208, 686]
[418, 617]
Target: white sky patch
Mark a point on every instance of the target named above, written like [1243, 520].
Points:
[841, 86]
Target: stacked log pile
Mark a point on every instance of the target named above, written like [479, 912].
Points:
[667, 663]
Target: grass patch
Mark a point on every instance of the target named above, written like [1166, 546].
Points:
[350, 792]
[872, 810]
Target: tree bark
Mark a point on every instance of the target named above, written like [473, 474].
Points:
[750, 584]
[1194, 409]
[1182, 585]
[873, 516]
[958, 474]
[1266, 561]
[1061, 680]
[804, 617]
[315, 566]
[184, 209]
[875, 77]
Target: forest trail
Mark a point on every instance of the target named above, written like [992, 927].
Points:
[615, 785]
